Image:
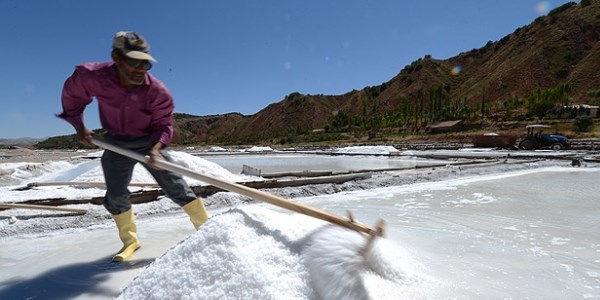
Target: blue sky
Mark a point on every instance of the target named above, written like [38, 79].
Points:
[235, 55]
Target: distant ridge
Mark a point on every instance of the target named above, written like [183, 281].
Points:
[21, 142]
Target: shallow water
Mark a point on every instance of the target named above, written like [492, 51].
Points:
[526, 235]
[298, 162]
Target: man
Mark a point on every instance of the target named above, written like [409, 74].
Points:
[136, 112]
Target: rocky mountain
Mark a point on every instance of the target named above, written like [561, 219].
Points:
[561, 47]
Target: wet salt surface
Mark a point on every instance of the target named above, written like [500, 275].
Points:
[516, 234]
[529, 234]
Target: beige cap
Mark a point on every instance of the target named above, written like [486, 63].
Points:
[133, 45]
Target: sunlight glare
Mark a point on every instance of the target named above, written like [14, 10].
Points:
[456, 70]
[542, 8]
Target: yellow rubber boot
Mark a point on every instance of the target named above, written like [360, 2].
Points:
[128, 234]
[197, 212]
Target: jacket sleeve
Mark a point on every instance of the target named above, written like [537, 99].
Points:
[75, 97]
[162, 117]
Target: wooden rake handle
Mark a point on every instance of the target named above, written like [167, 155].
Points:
[247, 191]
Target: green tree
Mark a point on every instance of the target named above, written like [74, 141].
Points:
[543, 102]
[594, 97]
[583, 123]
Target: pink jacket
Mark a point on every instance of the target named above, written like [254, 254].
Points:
[145, 110]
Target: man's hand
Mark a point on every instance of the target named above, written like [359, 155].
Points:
[155, 155]
[84, 136]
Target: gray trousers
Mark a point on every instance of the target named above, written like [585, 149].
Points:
[118, 170]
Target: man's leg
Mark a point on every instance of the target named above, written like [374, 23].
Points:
[177, 189]
[118, 170]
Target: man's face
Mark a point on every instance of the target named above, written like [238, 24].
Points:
[133, 71]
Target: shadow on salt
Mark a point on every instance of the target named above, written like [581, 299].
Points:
[257, 253]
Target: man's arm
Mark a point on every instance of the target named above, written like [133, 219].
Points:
[84, 135]
[162, 118]
[155, 154]
[75, 98]
[162, 124]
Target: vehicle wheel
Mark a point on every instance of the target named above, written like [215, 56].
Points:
[528, 145]
[556, 146]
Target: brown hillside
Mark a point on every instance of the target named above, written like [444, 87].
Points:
[538, 56]
[192, 129]
[296, 113]
[559, 48]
